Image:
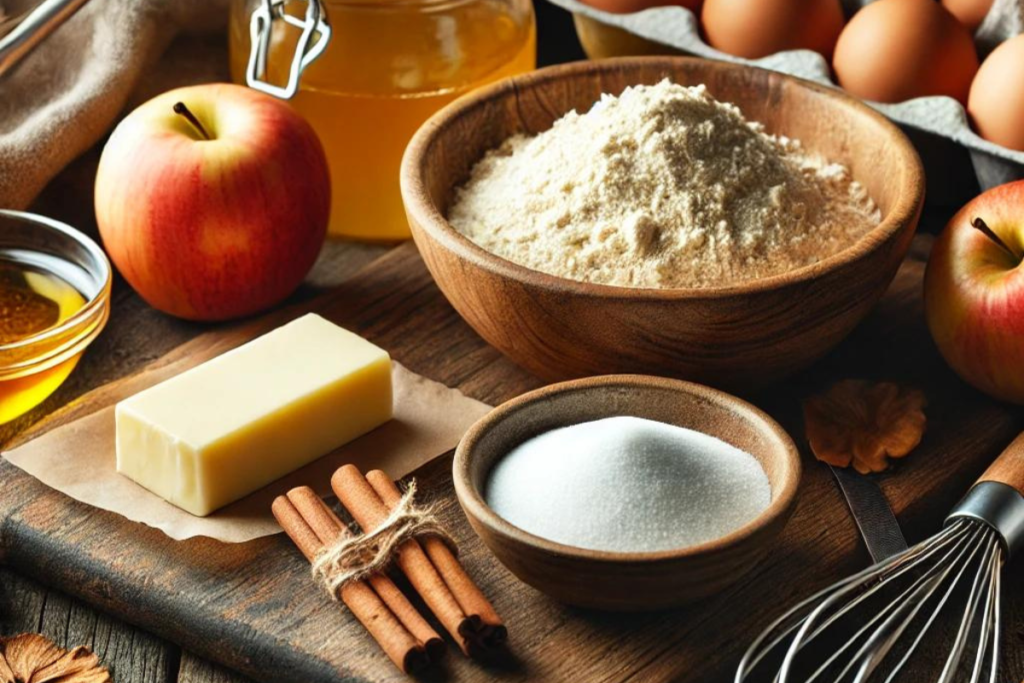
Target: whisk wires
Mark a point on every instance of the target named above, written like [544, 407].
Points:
[917, 585]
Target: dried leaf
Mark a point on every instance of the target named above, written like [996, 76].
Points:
[864, 424]
[31, 658]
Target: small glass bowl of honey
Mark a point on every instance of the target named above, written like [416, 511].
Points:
[54, 300]
[388, 66]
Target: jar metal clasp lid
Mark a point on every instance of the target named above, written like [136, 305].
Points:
[316, 34]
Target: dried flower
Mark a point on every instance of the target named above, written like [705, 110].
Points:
[864, 424]
[31, 658]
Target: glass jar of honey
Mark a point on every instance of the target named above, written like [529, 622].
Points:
[389, 65]
[55, 299]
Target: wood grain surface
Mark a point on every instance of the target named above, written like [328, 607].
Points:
[138, 335]
[132, 656]
[251, 606]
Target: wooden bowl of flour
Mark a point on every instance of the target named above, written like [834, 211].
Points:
[627, 581]
[741, 336]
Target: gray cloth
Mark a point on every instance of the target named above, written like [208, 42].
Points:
[68, 92]
[1004, 20]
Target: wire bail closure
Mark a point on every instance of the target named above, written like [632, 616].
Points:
[316, 34]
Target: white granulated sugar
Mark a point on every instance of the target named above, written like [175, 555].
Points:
[661, 187]
[627, 484]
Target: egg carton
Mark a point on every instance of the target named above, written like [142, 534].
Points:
[941, 116]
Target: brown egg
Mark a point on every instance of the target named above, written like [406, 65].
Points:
[970, 13]
[758, 28]
[629, 6]
[996, 103]
[896, 50]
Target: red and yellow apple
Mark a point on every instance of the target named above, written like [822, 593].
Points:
[974, 292]
[213, 201]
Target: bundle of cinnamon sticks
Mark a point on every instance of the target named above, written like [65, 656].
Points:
[428, 563]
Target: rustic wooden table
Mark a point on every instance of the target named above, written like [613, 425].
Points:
[138, 335]
[135, 336]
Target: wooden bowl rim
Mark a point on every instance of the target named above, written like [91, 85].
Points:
[474, 504]
[426, 214]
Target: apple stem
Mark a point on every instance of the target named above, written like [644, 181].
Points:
[982, 226]
[182, 110]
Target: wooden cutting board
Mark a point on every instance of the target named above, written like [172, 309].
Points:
[253, 606]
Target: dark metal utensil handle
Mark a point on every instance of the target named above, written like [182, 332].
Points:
[871, 512]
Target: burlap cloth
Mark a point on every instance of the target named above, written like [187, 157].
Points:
[66, 94]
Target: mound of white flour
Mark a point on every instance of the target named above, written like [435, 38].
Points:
[661, 187]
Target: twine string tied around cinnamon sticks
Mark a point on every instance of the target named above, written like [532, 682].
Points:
[357, 557]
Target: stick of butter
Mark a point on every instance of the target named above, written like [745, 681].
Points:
[225, 428]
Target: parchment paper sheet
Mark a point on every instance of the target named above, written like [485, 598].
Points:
[78, 460]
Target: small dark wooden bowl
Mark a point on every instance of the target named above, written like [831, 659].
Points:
[627, 581]
[739, 336]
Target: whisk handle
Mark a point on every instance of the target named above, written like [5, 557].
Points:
[1009, 466]
[997, 499]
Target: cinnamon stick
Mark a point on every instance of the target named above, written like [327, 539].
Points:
[398, 643]
[369, 511]
[328, 528]
[483, 622]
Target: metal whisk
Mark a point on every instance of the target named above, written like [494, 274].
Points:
[869, 626]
